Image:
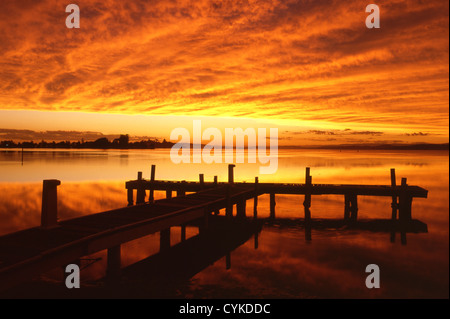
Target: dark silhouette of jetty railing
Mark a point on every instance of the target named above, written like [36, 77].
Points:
[29, 252]
[404, 193]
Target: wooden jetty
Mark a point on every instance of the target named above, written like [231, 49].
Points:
[27, 253]
[402, 195]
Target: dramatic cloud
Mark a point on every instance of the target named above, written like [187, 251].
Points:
[304, 61]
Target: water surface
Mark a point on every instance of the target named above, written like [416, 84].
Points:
[285, 265]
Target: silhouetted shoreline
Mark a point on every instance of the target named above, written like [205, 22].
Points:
[417, 147]
[102, 143]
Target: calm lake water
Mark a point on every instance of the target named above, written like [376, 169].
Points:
[284, 265]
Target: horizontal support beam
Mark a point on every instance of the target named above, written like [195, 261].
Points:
[299, 189]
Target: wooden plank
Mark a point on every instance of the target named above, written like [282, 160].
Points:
[300, 189]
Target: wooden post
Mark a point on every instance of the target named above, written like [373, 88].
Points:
[204, 223]
[140, 193]
[240, 208]
[130, 196]
[215, 180]
[394, 204]
[404, 213]
[49, 210]
[255, 199]
[164, 239]
[113, 263]
[307, 203]
[272, 205]
[181, 193]
[228, 261]
[308, 225]
[168, 193]
[202, 180]
[152, 179]
[353, 207]
[308, 184]
[405, 203]
[231, 173]
[346, 207]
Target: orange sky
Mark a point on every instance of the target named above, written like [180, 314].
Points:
[309, 67]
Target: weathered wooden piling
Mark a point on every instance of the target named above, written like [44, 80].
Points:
[204, 223]
[130, 197]
[405, 203]
[217, 211]
[152, 179]
[181, 193]
[231, 173]
[201, 178]
[272, 205]
[394, 203]
[353, 199]
[241, 208]
[49, 211]
[346, 207]
[255, 199]
[307, 203]
[404, 213]
[140, 192]
[229, 205]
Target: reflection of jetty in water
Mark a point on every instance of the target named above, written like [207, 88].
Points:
[162, 274]
[373, 225]
[28, 253]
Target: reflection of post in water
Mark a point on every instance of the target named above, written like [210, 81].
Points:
[255, 211]
[404, 213]
[255, 200]
[394, 205]
[402, 207]
[307, 204]
[272, 205]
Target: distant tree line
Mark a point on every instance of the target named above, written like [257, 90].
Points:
[123, 142]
